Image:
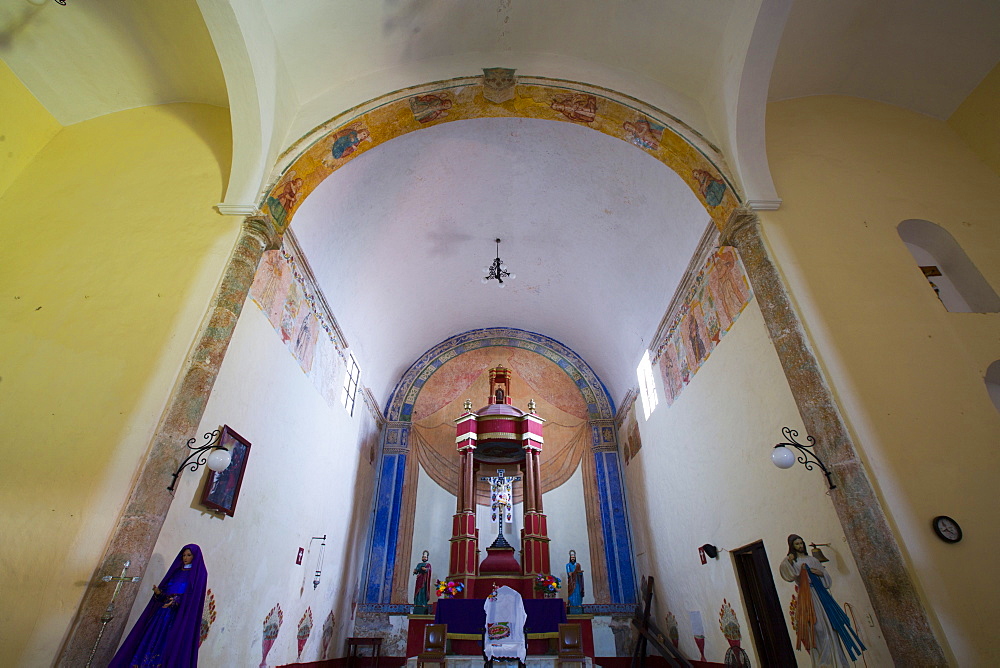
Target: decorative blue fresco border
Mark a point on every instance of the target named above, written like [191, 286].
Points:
[600, 405]
[614, 525]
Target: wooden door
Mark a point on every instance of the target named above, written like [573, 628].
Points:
[767, 619]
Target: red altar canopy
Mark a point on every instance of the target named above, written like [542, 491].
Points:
[499, 433]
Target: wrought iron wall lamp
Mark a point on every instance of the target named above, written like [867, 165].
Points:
[784, 458]
[218, 460]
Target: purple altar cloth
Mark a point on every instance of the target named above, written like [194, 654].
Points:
[467, 616]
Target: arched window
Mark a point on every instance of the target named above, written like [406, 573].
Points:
[949, 271]
[647, 385]
[993, 383]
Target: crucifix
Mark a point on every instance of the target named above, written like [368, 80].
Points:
[109, 612]
[501, 496]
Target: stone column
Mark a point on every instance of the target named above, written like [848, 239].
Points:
[900, 611]
[138, 527]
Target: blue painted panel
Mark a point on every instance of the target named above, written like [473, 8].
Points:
[623, 542]
[393, 536]
[385, 527]
[606, 526]
[614, 527]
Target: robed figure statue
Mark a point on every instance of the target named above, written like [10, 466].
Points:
[169, 630]
[821, 627]
[422, 589]
[574, 585]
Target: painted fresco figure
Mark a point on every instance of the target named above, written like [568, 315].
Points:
[711, 187]
[576, 107]
[821, 626]
[643, 134]
[574, 585]
[422, 589]
[427, 108]
[727, 286]
[346, 141]
[168, 631]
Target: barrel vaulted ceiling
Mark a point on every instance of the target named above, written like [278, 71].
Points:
[598, 235]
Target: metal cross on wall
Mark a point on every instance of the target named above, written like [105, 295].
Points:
[109, 612]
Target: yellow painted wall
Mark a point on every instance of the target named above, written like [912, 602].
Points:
[977, 120]
[25, 126]
[908, 374]
[111, 254]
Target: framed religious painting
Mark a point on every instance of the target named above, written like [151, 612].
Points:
[222, 488]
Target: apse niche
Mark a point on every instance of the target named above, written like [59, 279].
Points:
[949, 271]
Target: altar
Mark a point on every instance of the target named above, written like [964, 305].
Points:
[466, 619]
[489, 441]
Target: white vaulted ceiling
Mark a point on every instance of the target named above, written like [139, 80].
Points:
[597, 232]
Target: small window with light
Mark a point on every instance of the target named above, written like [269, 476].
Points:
[647, 385]
[351, 379]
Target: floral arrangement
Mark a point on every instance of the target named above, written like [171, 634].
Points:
[448, 589]
[549, 584]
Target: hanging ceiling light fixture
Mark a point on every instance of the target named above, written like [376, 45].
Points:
[497, 270]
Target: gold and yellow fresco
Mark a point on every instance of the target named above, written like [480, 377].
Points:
[558, 401]
[713, 303]
[286, 293]
[326, 150]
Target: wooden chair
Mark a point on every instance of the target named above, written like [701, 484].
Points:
[435, 645]
[571, 645]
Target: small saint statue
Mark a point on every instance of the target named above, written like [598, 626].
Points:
[422, 589]
[574, 585]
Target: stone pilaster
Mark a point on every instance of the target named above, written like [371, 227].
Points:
[138, 527]
[880, 562]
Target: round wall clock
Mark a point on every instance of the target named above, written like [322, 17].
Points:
[947, 529]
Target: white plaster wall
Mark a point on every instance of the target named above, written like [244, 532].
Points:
[704, 475]
[308, 474]
[488, 529]
[604, 637]
[431, 528]
[568, 531]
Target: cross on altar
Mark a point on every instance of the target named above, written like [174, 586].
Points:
[501, 496]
